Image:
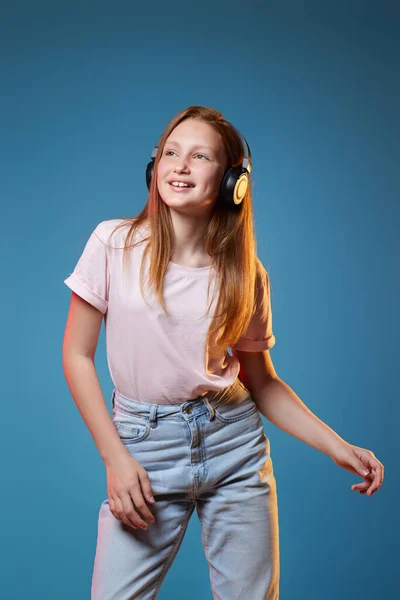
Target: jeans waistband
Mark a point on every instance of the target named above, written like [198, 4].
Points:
[210, 399]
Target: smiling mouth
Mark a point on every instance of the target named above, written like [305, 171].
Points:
[181, 187]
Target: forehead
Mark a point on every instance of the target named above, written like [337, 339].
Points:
[196, 133]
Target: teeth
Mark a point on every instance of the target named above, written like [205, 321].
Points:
[180, 184]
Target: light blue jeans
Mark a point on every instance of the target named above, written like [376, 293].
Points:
[210, 453]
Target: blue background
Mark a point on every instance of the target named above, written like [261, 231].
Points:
[87, 89]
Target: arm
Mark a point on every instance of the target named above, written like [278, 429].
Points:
[278, 403]
[79, 346]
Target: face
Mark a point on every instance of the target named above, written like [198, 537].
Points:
[193, 153]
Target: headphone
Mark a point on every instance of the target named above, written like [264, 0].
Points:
[234, 182]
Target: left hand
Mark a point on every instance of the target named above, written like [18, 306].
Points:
[357, 460]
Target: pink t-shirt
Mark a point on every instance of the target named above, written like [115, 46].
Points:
[153, 357]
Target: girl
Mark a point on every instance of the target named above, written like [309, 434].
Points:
[186, 430]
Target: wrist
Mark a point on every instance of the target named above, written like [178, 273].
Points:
[337, 446]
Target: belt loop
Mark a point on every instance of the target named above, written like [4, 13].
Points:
[210, 408]
[153, 415]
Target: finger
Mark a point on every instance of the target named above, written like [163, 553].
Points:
[140, 505]
[375, 486]
[130, 513]
[366, 487]
[120, 513]
[378, 477]
[360, 486]
[146, 486]
[147, 493]
[372, 490]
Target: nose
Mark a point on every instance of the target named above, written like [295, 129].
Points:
[181, 166]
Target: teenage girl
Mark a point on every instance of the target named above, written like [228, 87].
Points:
[186, 430]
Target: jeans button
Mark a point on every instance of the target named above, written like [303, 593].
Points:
[188, 410]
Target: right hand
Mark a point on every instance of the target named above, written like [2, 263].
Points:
[128, 481]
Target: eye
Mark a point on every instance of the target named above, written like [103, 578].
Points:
[167, 152]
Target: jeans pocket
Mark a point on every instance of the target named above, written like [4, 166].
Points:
[235, 409]
[131, 428]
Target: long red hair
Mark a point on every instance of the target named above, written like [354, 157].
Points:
[230, 241]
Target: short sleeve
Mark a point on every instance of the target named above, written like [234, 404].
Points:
[90, 278]
[259, 335]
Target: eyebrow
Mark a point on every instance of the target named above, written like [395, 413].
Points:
[196, 146]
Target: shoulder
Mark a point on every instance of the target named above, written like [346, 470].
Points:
[262, 288]
[105, 229]
[112, 232]
[262, 277]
